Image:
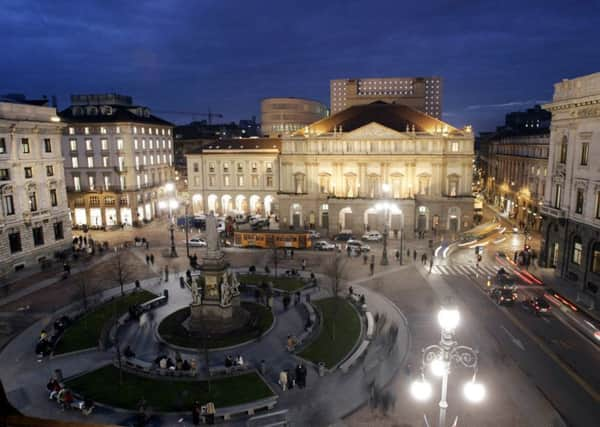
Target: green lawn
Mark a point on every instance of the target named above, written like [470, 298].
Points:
[288, 284]
[345, 329]
[172, 331]
[167, 395]
[85, 332]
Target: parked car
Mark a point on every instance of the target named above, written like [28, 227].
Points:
[323, 245]
[537, 305]
[344, 236]
[357, 245]
[260, 223]
[314, 234]
[197, 241]
[372, 236]
[240, 219]
[502, 296]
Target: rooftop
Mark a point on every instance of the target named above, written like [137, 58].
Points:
[239, 144]
[394, 116]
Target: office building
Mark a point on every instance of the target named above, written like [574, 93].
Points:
[421, 93]
[284, 116]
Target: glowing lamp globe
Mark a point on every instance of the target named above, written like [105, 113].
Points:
[474, 392]
[438, 367]
[421, 390]
[448, 318]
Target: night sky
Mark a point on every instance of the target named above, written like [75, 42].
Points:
[176, 55]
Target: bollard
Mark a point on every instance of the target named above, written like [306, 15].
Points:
[321, 366]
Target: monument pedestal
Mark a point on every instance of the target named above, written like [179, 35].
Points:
[211, 319]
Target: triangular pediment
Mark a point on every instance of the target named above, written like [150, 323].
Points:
[373, 130]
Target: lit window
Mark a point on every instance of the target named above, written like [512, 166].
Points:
[71, 131]
[135, 143]
[86, 130]
[119, 143]
[90, 161]
[88, 144]
[104, 144]
[74, 162]
[103, 130]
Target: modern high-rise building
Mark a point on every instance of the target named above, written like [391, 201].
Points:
[421, 93]
[34, 218]
[117, 158]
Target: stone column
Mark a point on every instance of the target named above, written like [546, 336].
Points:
[362, 179]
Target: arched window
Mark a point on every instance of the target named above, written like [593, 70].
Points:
[577, 250]
[595, 264]
[299, 183]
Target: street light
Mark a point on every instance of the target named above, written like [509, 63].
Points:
[172, 204]
[440, 357]
[386, 207]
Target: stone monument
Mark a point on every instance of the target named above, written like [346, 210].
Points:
[215, 306]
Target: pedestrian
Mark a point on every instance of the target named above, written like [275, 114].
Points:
[292, 253]
[210, 413]
[303, 264]
[147, 259]
[408, 253]
[166, 273]
[283, 380]
[372, 267]
[397, 253]
[152, 259]
[348, 250]
[430, 264]
[424, 259]
[196, 411]
[351, 290]
[414, 255]
[365, 259]
[298, 298]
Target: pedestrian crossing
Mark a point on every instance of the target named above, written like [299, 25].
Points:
[465, 270]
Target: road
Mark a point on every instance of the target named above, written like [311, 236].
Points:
[556, 353]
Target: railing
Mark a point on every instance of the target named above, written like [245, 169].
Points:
[555, 212]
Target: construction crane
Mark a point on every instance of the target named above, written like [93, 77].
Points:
[209, 115]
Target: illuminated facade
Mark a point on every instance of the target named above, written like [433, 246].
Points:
[117, 157]
[517, 165]
[34, 218]
[421, 93]
[337, 173]
[571, 241]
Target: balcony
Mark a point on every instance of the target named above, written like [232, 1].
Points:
[554, 212]
[122, 169]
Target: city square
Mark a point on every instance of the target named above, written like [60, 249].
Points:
[315, 248]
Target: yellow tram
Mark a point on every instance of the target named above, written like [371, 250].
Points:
[272, 238]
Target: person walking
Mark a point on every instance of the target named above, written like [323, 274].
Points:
[430, 264]
[408, 253]
[196, 411]
[303, 264]
[152, 259]
[415, 255]
[166, 273]
[147, 259]
[292, 254]
[283, 380]
[397, 253]
[348, 250]
[372, 267]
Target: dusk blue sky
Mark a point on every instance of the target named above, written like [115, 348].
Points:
[187, 55]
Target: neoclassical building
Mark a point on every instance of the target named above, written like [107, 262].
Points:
[34, 217]
[517, 166]
[117, 157]
[571, 231]
[351, 170]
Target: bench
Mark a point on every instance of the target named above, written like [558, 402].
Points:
[370, 324]
[138, 364]
[153, 303]
[249, 408]
[222, 369]
[355, 298]
[360, 351]
[312, 314]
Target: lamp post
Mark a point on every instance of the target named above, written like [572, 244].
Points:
[440, 358]
[172, 204]
[386, 208]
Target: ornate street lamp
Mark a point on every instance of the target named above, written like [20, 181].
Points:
[385, 206]
[439, 358]
[171, 203]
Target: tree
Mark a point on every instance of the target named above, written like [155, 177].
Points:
[335, 268]
[119, 270]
